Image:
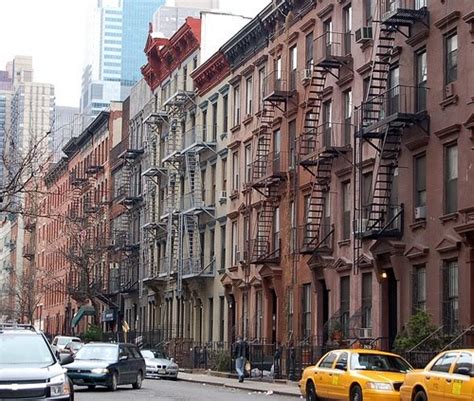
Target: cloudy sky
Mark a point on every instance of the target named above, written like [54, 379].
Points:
[53, 32]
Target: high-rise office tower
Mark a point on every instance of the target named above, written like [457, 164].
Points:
[116, 37]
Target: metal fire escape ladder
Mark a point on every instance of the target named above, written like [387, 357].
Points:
[261, 246]
[194, 197]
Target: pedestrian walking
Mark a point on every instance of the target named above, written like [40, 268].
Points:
[241, 355]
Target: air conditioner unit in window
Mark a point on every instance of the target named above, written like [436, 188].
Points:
[420, 212]
[223, 196]
[360, 226]
[307, 73]
[363, 34]
[365, 332]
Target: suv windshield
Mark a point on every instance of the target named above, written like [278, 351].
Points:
[24, 349]
[379, 362]
[98, 352]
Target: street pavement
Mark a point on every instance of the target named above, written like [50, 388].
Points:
[185, 390]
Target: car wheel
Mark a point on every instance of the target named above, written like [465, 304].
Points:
[356, 394]
[113, 385]
[91, 387]
[420, 396]
[311, 392]
[138, 383]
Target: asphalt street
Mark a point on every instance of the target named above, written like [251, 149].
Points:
[167, 390]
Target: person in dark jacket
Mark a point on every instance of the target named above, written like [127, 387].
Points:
[241, 354]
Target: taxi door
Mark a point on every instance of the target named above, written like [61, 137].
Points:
[338, 388]
[459, 385]
[436, 377]
[324, 374]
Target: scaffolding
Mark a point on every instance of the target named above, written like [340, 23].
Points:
[388, 108]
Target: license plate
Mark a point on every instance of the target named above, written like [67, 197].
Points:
[161, 371]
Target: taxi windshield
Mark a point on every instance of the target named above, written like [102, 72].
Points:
[379, 362]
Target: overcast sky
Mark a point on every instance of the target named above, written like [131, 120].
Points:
[53, 32]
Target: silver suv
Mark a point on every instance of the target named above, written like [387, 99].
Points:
[29, 370]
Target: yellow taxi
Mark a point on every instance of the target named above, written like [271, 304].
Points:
[355, 375]
[448, 377]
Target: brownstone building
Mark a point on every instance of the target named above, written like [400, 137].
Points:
[337, 230]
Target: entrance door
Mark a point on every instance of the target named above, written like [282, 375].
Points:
[274, 316]
[231, 319]
[325, 308]
[392, 306]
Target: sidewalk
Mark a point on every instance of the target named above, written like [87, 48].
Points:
[289, 388]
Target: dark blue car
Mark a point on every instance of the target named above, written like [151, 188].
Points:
[109, 365]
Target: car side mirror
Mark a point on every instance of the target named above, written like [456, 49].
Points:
[340, 366]
[65, 359]
[123, 357]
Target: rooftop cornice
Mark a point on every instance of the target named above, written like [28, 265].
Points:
[211, 73]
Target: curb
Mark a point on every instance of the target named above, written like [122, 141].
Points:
[236, 386]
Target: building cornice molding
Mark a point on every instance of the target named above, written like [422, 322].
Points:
[446, 22]
[211, 73]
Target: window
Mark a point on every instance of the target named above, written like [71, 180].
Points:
[213, 184]
[245, 313]
[451, 295]
[276, 142]
[326, 220]
[223, 247]
[235, 171]
[291, 309]
[309, 46]
[292, 143]
[292, 227]
[421, 80]
[204, 125]
[451, 179]
[347, 97]
[368, 12]
[225, 113]
[327, 123]
[345, 304]
[276, 232]
[443, 364]
[465, 362]
[367, 300]
[328, 361]
[306, 302]
[306, 200]
[347, 16]
[248, 96]
[420, 180]
[419, 288]
[211, 319]
[293, 67]
[224, 175]
[214, 122]
[185, 78]
[327, 29]
[235, 243]
[346, 210]
[451, 57]
[366, 194]
[236, 105]
[221, 317]
[278, 72]
[394, 91]
[342, 361]
[248, 163]
[261, 87]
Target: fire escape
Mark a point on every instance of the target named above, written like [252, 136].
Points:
[388, 109]
[322, 140]
[155, 176]
[268, 169]
[173, 162]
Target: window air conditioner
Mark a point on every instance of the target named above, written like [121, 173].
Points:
[420, 212]
[363, 34]
[360, 226]
[223, 196]
[365, 332]
[307, 73]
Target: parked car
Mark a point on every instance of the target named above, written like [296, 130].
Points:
[72, 348]
[59, 342]
[29, 369]
[109, 365]
[158, 365]
[355, 374]
[449, 376]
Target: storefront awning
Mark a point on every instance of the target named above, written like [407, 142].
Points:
[86, 310]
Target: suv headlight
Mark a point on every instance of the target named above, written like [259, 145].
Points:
[380, 386]
[59, 385]
[100, 371]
